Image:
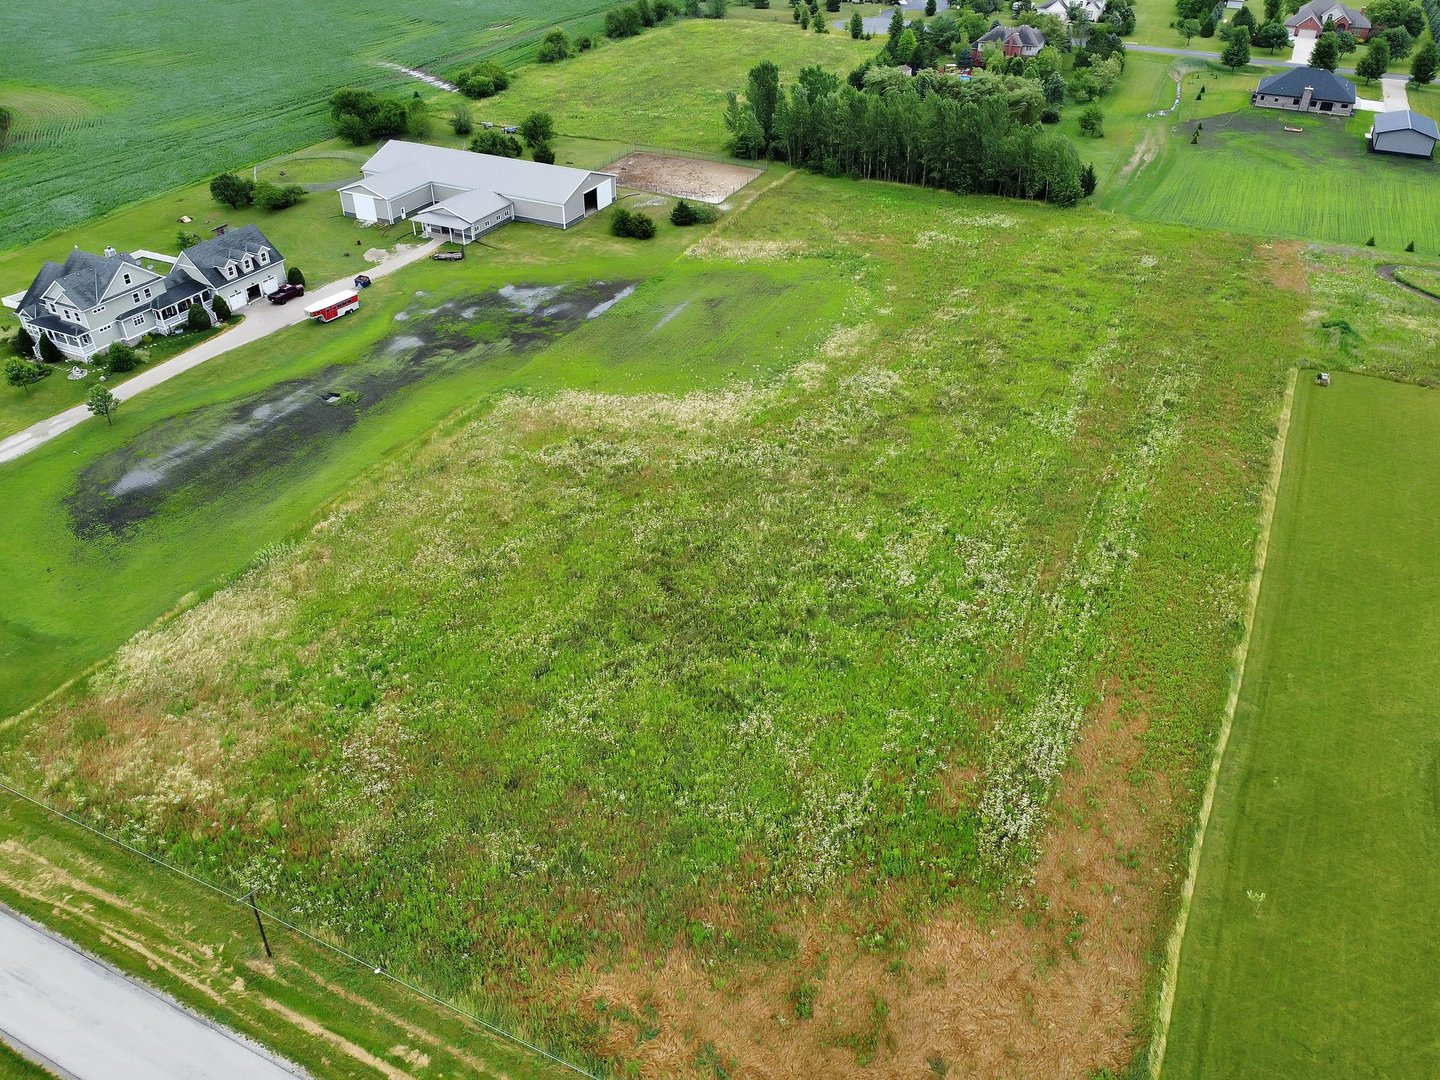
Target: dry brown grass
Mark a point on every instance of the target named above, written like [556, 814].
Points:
[1048, 989]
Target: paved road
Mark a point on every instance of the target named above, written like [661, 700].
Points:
[261, 319]
[1200, 54]
[85, 1021]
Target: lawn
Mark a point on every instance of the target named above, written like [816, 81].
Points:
[667, 87]
[100, 124]
[783, 587]
[1247, 174]
[1147, 86]
[1311, 948]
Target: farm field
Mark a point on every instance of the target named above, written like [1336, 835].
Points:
[91, 93]
[1247, 174]
[789, 574]
[1311, 948]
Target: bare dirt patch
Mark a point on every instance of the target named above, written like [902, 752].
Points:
[1047, 989]
[1283, 265]
[685, 178]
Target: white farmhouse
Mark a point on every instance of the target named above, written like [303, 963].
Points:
[458, 195]
[88, 302]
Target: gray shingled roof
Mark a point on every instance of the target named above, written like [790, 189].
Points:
[1406, 120]
[1326, 85]
[83, 276]
[1321, 10]
[1020, 35]
[210, 255]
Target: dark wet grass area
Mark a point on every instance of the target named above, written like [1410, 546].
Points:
[204, 455]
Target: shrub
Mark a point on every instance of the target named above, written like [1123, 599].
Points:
[220, 308]
[23, 343]
[633, 225]
[232, 190]
[497, 143]
[195, 317]
[688, 213]
[584, 43]
[1092, 122]
[120, 358]
[543, 153]
[49, 351]
[185, 239]
[1410, 246]
[1370, 242]
[462, 121]
[24, 374]
[1049, 115]
[482, 80]
[293, 276]
[555, 46]
[537, 128]
[273, 197]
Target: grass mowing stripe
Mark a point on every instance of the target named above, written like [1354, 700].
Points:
[1310, 950]
[1242, 652]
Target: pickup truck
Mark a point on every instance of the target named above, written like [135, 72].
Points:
[286, 292]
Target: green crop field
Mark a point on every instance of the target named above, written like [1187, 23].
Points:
[1311, 948]
[109, 112]
[1247, 174]
[783, 586]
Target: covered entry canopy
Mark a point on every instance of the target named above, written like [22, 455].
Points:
[466, 216]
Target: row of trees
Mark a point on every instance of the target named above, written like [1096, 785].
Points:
[960, 135]
[538, 131]
[240, 191]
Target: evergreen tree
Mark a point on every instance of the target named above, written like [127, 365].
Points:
[24, 343]
[220, 308]
[1327, 53]
[1087, 181]
[1244, 18]
[195, 318]
[1425, 64]
[857, 26]
[49, 351]
[293, 276]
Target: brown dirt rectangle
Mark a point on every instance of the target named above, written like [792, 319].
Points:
[685, 178]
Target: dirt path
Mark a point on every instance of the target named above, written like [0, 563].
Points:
[261, 320]
[1387, 272]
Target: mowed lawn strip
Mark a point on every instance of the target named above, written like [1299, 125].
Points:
[1311, 949]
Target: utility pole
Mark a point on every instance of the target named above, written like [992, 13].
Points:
[260, 923]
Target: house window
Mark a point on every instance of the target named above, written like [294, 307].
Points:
[249, 265]
[85, 340]
[139, 320]
[135, 298]
[147, 292]
[127, 279]
[264, 257]
[168, 313]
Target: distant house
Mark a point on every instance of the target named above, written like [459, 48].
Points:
[1404, 132]
[1310, 20]
[1094, 9]
[1011, 40]
[1306, 89]
[88, 302]
[458, 195]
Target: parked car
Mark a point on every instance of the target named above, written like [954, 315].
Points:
[286, 292]
[510, 129]
[362, 281]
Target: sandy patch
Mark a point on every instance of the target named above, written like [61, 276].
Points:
[685, 178]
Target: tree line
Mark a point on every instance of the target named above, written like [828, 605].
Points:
[936, 131]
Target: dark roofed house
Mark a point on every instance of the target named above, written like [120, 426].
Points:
[1011, 40]
[1310, 20]
[1306, 89]
[89, 302]
[1404, 132]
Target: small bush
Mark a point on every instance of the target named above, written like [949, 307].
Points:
[555, 47]
[482, 80]
[1410, 246]
[273, 197]
[120, 358]
[688, 213]
[220, 308]
[636, 226]
[1092, 122]
[1049, 115]
[497, 143]
[1370, 242]
[294, 277]
[543, 153]
[195, 317]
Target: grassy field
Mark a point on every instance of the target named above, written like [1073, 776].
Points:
[331, 1016]
[667, 87]
[1247, 174]
[100, 124]
[15, 1067]
[795, 590]
[1310, 950]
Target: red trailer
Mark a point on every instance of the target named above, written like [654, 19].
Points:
[332, 307]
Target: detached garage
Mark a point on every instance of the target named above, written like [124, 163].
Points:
[458, 195]
[1404, 132]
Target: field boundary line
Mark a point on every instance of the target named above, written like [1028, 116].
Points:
[1242, 653]
[379, 970]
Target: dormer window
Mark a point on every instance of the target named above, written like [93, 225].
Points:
[264, 257]
[230, 269]
[249, 264]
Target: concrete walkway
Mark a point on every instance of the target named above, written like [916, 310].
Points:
[261, 319]
[85, 1021]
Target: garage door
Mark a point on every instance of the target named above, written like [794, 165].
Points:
[269, 285]
[364, 207]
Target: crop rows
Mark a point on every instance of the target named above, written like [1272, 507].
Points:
[237, 106]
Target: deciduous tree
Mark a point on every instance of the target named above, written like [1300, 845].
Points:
[101, 402]
[1237, 50]
[1425, 64]
[232, 190]
[1327, 52]
[24, 374]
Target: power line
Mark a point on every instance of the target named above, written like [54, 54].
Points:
[249, 901]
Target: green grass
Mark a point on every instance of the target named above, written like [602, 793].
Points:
[1148, 85]
[667, 87]
[587, 677]
[127, 912]
[1249, 175]
[1310, 950]
[1426, 279]
[112, 114]
[15, 1067]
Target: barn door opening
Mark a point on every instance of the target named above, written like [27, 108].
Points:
[592, 200]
